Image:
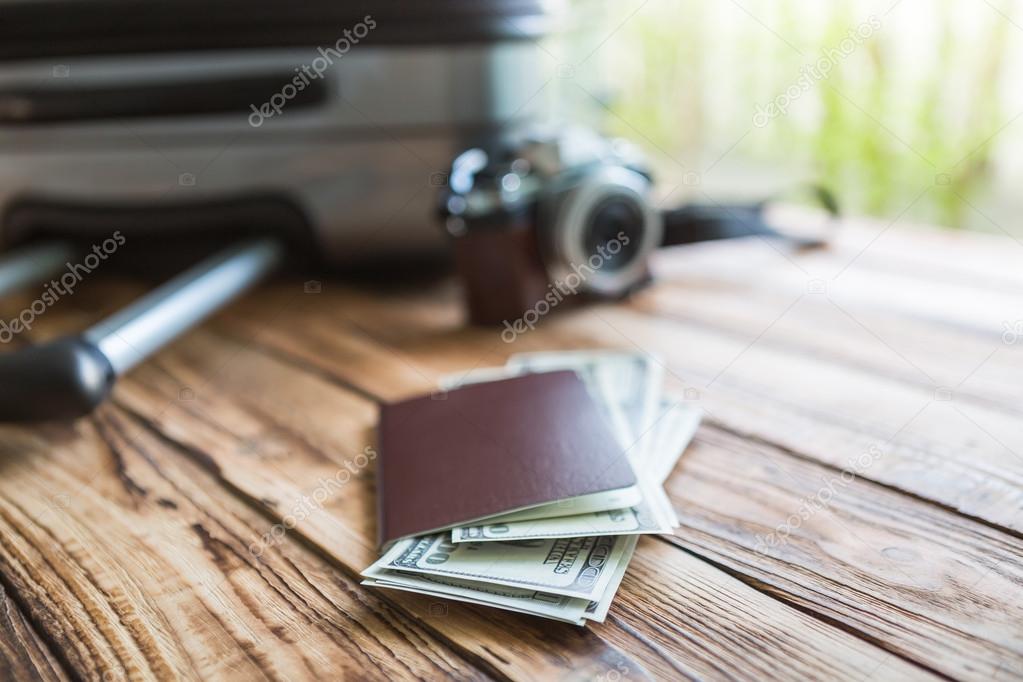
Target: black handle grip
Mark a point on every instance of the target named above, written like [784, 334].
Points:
[62, 379]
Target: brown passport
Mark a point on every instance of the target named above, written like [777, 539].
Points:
[492, 448]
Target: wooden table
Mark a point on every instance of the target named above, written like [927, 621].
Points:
[851, 507]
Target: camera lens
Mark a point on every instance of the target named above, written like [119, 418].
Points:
[599, 231]
[614, 232]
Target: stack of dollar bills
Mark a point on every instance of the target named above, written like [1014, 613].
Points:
[567, 567]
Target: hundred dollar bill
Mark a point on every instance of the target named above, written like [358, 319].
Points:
[583, 504]
[572, 567]
[556, 607]
[649, 516]
[630, 521]
[681, 422]
[657, 499]
[674, 427]
[443, 595]
[597, 610]
[512, 598]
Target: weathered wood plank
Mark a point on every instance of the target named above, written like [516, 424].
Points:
[134, 563]
[978, 370]
[971, 651]
[960, 453]
[282, 437]
[23, 656]
[681, 605]
[946, 298]
[931, 332]
[956, 444]
[278, 403]
[919, 580]
[331, 423]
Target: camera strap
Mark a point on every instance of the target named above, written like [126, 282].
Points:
[707, 222]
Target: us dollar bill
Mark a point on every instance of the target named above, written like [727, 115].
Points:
[567, 567]
[649, 516]
[597, 610]
[493, 604]
[517, 599]
[552, 606]
[632, 520]
[572, 567]
[680, 424]
[675, 424]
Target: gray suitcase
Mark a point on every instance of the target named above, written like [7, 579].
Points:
[264, 131]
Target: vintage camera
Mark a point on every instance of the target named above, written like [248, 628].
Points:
[546, 218]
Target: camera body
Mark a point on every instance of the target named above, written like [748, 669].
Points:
[547, 218]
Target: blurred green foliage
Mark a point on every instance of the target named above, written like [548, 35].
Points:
[907, 122]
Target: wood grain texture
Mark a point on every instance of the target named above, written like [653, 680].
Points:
[922, 643]
[210, 522]
[291, 443]
[23, 656]
[916, 579]
[780, 375]
[712, 626]
[133, 562]
[346, 527]
[963, 653]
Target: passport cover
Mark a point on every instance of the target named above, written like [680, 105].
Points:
[484, 449]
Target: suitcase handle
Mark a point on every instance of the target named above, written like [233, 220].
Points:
[69, 377]
[62, 379]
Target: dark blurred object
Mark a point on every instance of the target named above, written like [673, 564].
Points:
[59, 28]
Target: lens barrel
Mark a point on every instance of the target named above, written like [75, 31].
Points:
[600, 231]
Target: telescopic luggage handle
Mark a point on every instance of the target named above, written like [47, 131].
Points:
[70, 376]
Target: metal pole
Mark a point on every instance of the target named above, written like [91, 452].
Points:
[131, 335]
